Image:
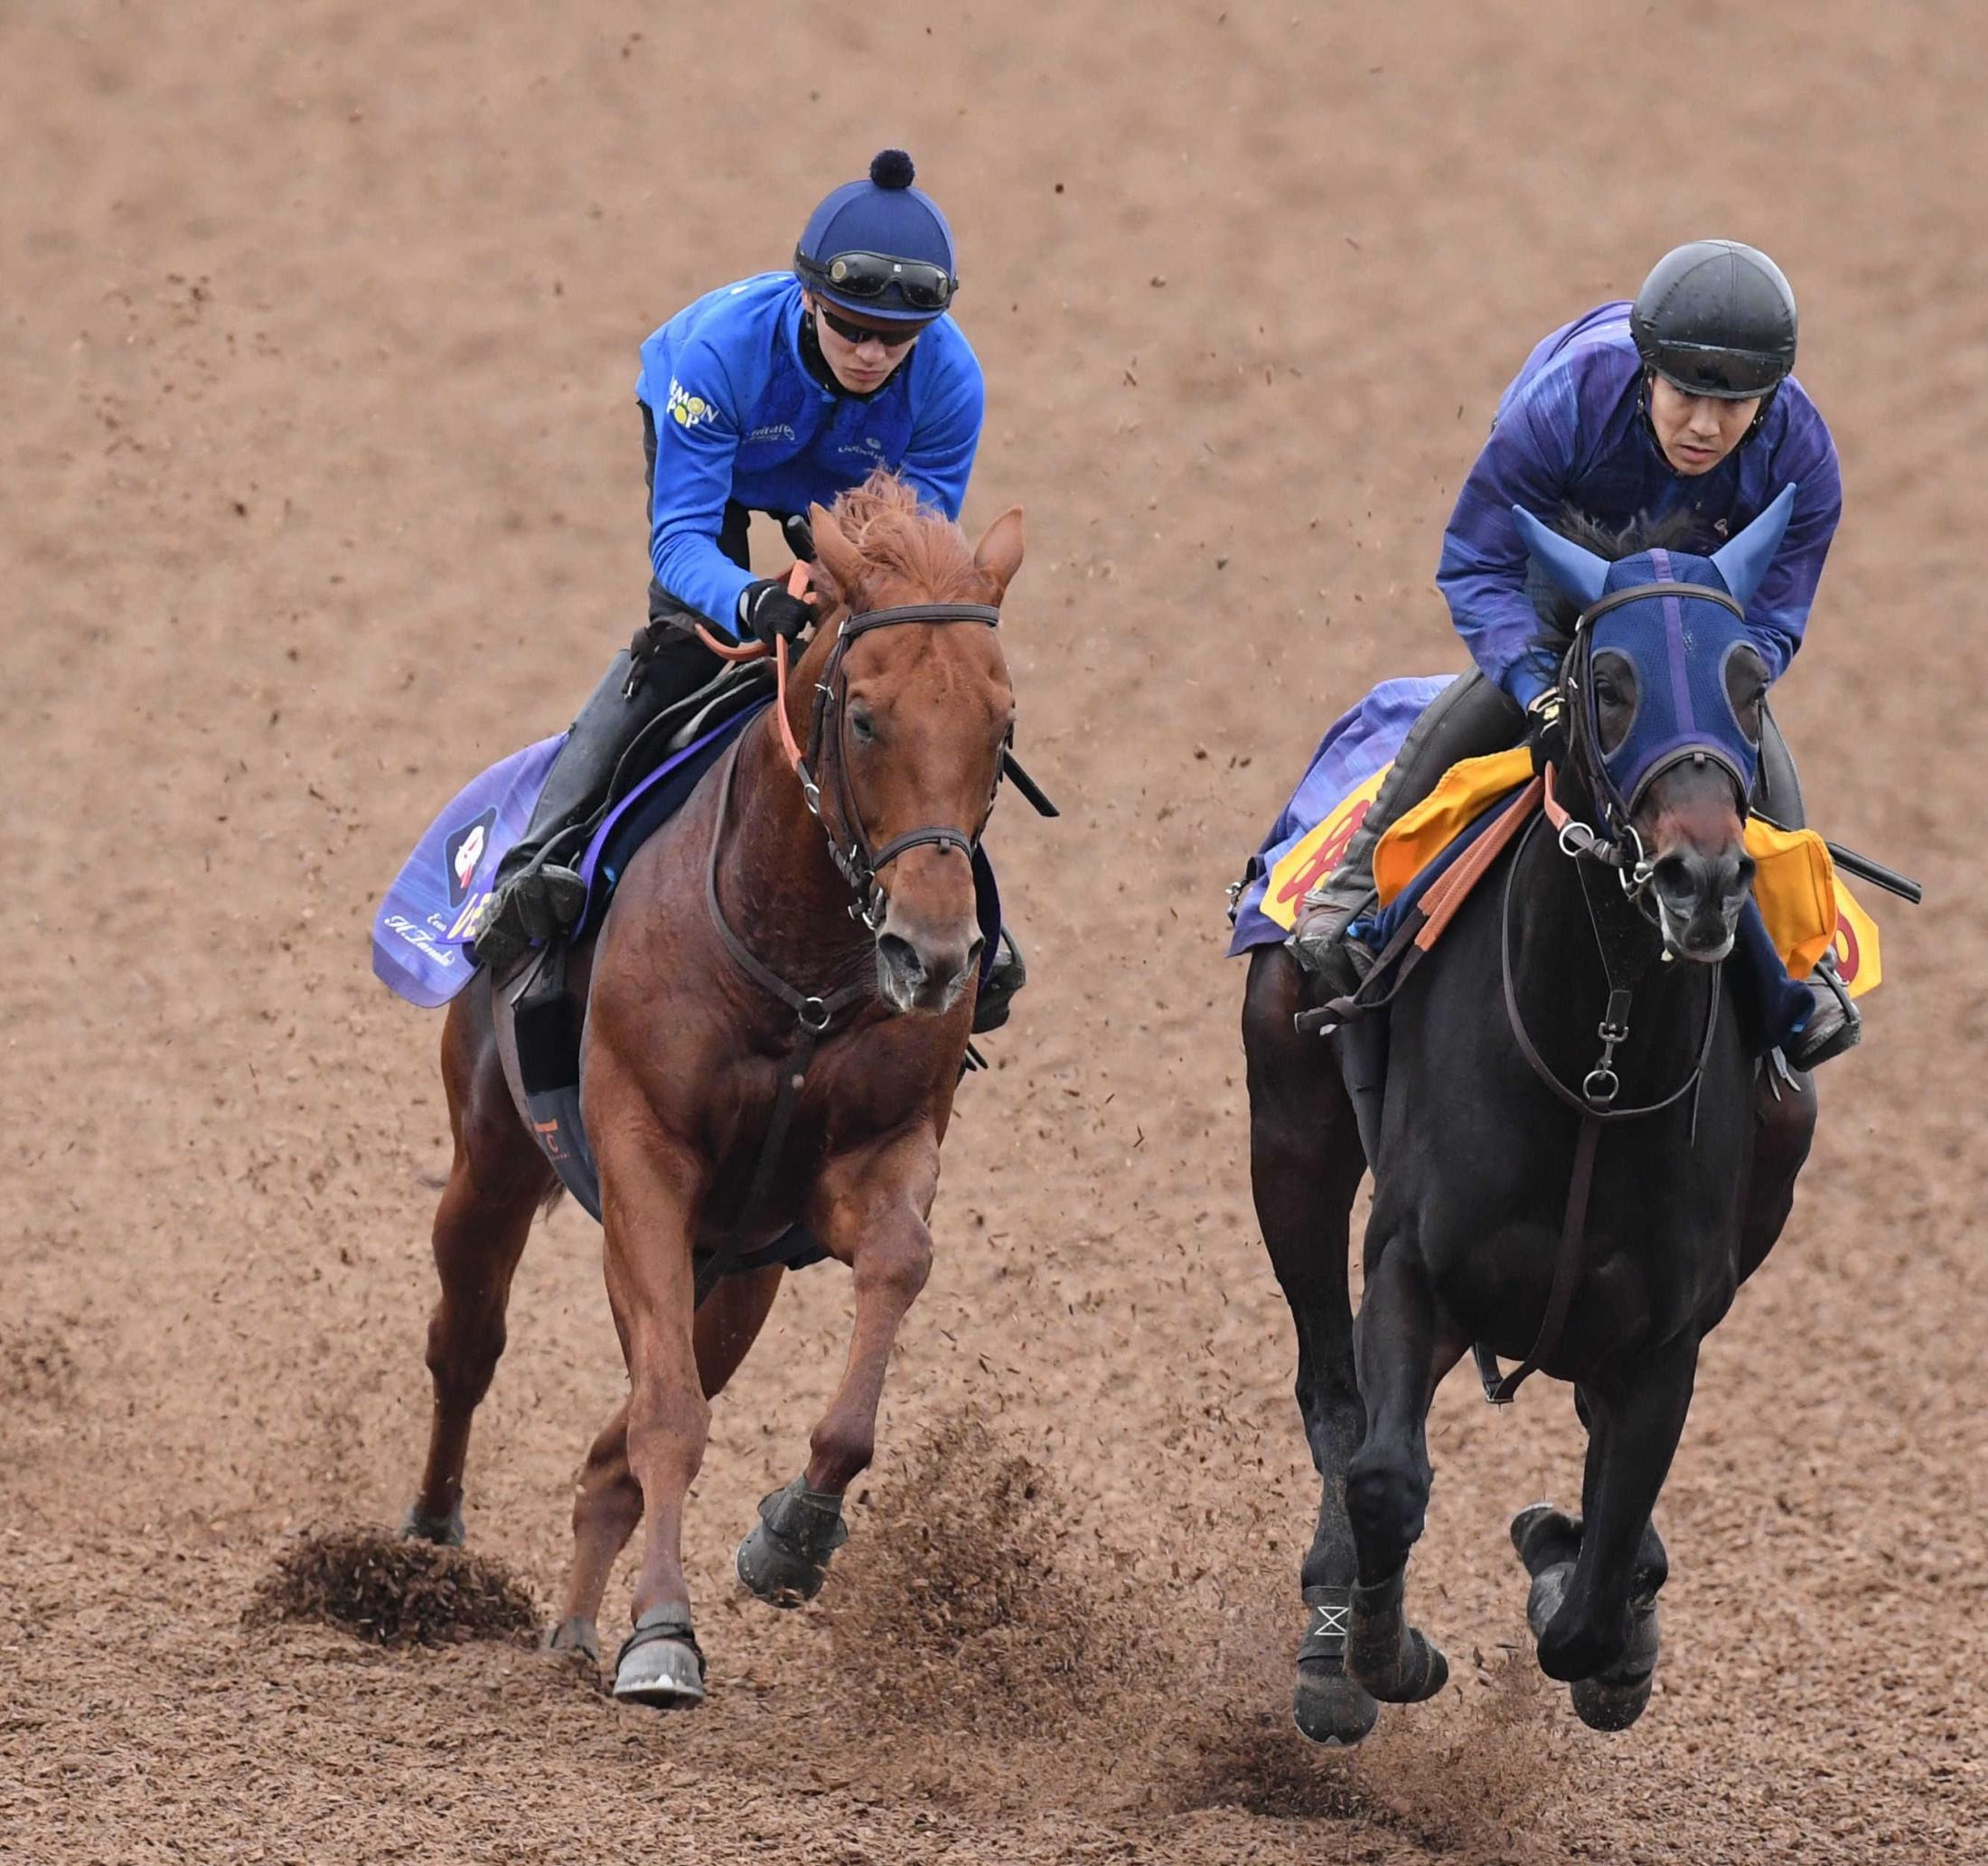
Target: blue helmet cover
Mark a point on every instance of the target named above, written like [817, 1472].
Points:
[892, 217]
[1679, 646]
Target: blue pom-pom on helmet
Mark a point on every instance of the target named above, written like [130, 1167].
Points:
[880, 248]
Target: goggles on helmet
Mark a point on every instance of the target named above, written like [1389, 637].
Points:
[922, 285]
[1728, 375]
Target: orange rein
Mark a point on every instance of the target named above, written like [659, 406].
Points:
[797, 585]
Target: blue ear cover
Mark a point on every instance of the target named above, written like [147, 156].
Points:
[1577, 571]
[1742, 561]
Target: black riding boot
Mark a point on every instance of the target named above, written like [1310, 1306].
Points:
[537, 894]
[1471, 717]
[1006, 977]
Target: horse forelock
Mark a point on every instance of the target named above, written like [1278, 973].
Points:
[1673, 531]
[898, 539]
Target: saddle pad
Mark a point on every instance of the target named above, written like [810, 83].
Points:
[1805, 904]
[1326, 811]
[443, 886]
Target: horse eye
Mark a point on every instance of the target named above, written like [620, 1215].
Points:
[1608, 692]
[861, 725]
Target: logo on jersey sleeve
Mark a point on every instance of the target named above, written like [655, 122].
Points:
[687, 410]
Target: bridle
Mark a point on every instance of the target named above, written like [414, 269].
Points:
[830, 795]
[1615, 844]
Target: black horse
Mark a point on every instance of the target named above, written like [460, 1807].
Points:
[1592, 1205]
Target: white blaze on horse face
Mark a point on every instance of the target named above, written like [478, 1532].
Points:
[1696, 432]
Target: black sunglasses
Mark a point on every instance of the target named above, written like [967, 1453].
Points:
[866, 334]
[923, 286]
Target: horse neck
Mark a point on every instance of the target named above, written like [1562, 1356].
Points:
[777, 883]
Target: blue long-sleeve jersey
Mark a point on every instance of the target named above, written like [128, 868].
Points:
[1570, 430]
[739, 417]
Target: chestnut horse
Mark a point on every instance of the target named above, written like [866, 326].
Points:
[776, 1019]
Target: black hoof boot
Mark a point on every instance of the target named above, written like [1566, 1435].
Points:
[1615, 1699]
[1397, 1663]
[444, 1532]
[1328, 1706]
[659, 1663]
[785, 1559]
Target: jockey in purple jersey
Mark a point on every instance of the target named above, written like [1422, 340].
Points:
[765, 396]
[1681, 403]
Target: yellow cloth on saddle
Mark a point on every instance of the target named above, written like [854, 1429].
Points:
[1805, 904]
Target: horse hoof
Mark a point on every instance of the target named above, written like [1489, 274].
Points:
[1545, 1537]
[660, 1664]
[577, 1638]
[444, 1532]
[1603, 1705]
[1330, 1708]
[1616, 1698]
[785, 1559]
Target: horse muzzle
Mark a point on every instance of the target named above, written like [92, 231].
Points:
[923, 973]
[1697, 897]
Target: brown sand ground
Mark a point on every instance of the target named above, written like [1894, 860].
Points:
[317, 329]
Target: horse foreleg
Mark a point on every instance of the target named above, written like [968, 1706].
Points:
[1305, 1167]
[1405, 1347]
[1603, 1625]
[496, 1179]
[650, 1192]
[870, 1212]
[608, 1502]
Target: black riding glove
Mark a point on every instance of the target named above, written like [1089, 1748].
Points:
[769, 613]
[1546, 731]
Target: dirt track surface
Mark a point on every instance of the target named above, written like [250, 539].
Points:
[317, 332]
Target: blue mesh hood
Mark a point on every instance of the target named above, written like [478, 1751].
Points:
[1680, 648]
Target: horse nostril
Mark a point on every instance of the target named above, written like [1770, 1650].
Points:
[901, 959]
[1673, 875]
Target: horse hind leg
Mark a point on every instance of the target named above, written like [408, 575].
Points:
[1405, 1348]
[1305, 1167]
[496, 1181]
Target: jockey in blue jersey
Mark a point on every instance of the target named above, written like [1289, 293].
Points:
[1681, 403]
[766, 396]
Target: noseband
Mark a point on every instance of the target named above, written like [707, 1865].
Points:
[848, 841]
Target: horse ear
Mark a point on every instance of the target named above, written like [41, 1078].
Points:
[834, 550]
[1743, 562]
[1577, 571]
[999, 550]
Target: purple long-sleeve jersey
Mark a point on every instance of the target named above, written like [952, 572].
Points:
[1571, 431]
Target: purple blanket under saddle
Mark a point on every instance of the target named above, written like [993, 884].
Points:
[1355, 746]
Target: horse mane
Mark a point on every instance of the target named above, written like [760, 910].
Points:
[1677, 531]
[891, 532]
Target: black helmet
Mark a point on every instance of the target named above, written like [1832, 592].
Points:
[1716, 318]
